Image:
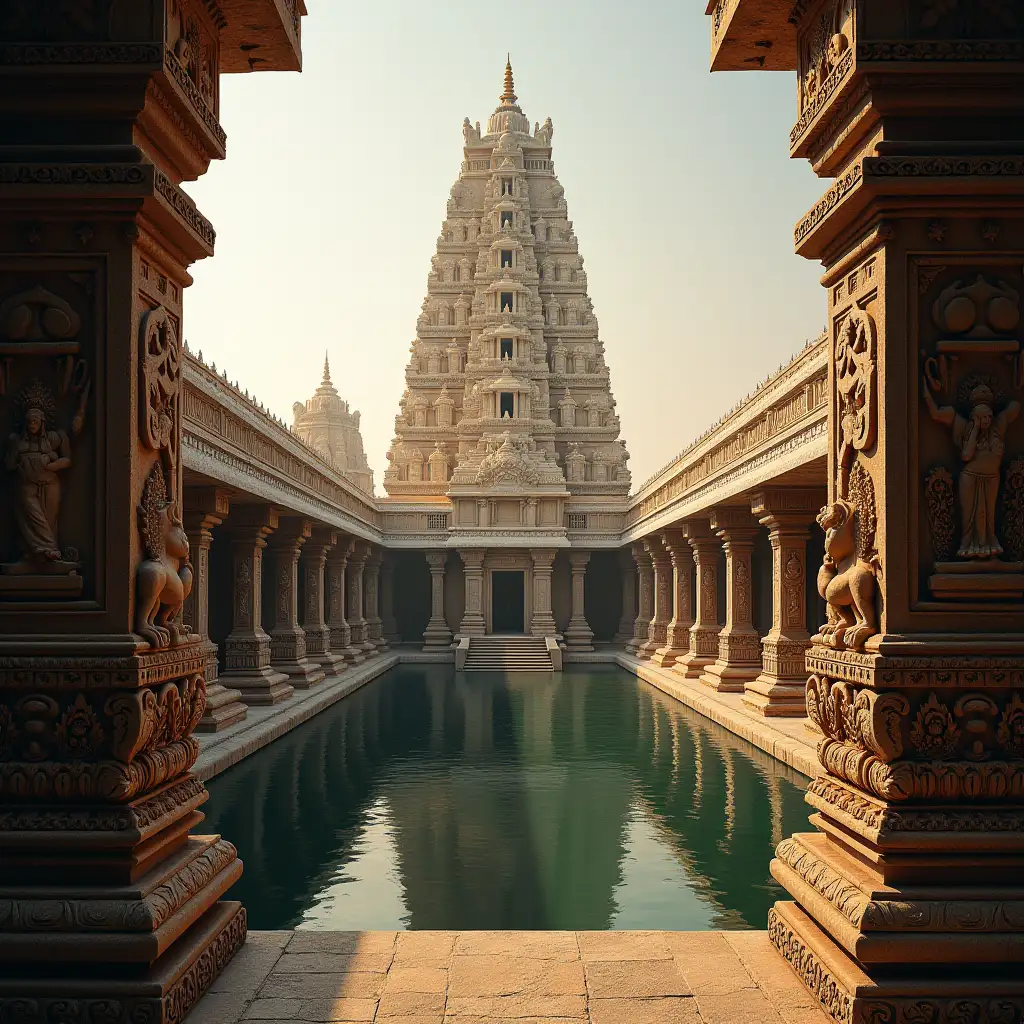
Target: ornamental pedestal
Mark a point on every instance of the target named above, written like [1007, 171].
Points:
[907, 898]
[677, 635]
[704, 634]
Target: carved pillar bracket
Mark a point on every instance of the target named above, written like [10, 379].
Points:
[578, 634]
[703, 650]
[739, 645]
[437, 635]
[356, 615]
[627, 566]
[543, 621]
[661, 592]
[906, 896]
[788, 513]
[314, 594]
[204, 509]
[473, 571]
[677, 634]
[247, 647]
[341, 633]
[645, 599]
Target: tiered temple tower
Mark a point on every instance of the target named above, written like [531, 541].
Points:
[325, 423]
[508, 409]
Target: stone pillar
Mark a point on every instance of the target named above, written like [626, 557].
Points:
[437, 635]
[645, 590]
[318, 632]
[739, 646]
[627, 620]
[907, 893]
[387, 601]
[356, 620]
[341, 634]
[578, 634]
[704, 633]
[371, 580]
[287, 639]
[661, 590]
[779, 689]
[247, 647]
[205, 508]
[473, 569]
[543, 621]
[677, 641]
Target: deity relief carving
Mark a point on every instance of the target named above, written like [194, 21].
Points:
[164, 577]
[847, 578]
[855, 368]
[159, 388]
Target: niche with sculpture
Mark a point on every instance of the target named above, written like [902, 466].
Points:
[972, 380]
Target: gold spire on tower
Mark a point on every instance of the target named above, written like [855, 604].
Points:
[509, 95]
[327, 371]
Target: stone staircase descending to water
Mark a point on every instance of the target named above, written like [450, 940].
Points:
[498, 653]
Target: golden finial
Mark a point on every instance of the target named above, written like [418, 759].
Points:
[327, 371]
[509, 95]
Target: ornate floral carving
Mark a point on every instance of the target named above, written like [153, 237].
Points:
[938, 492]
[164, 577]
[934, 733]
[1011, 728]
[508, 464]
[160, 386]
[865, 718]
[79, 733]
[1013, 510]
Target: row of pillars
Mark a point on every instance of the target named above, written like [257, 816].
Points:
[346, 612]
[674, 628]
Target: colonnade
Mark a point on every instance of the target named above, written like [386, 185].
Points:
[677, 628]
[330, 592]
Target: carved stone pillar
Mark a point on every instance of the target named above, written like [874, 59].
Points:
[907, 894]
[779, 689]
[627, 620]
[543, 621]
[645, 604]
[318, 632]
[356, 619]
[704, 632]
[677, 641]
[206, 508]
[341, 634]
[371, 579]
[661, 590]
[110, 907]
[739, 645]
[247, 647]
[437, 635]
[473, 570]
[578, 634]
[389, 623]
[287, 638]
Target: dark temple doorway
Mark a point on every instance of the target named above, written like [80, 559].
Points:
[507, 599]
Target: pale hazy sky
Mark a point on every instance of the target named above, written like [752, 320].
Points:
[678, 183]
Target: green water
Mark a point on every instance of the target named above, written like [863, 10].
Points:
[581, 800]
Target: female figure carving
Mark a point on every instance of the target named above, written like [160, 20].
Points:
[37, 455]
[980, 441]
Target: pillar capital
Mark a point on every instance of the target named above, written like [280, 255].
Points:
[734, 524]
[436, 558]
[578, 560]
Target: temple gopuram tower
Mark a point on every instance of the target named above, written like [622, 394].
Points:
[326, 424]
[508, 420]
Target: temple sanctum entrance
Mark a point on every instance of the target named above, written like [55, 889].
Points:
[508, 600]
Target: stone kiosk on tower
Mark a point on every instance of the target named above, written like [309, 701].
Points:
[507, 428]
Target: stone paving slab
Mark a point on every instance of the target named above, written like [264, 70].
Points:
[508, 978]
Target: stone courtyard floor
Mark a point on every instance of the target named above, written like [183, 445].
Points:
[515, 977]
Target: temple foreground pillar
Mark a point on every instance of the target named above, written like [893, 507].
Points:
[645, 599]
[661, 595]
[356, 618]
[703, 648]
[578, 634]
[543, 621]
[341, 633]
[473, 571]
[314, 623]
[389, 624]
[677, 634]
[206, 508]
[907, 895]
[374, 622]
[437, 636]
[779, 689]
[627, 620]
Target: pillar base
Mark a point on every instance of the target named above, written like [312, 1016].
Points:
[691, 666]
[579, 636]
[851, 996]
[726, 678]
[667, 657]
[437, 636]
[332, 664]
[260, 687]
[160, 994]
[648, 649]
[351, 655]
[302, 673]
[224, 707]
[776, 698]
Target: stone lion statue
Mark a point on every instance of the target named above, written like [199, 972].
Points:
[164, 578]
[847, 577]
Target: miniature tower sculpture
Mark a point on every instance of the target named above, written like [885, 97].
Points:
[506, 329]
[325, 423]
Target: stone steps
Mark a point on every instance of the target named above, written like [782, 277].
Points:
[508, 654]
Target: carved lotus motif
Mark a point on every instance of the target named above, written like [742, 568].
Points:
[79, 733]
[934, 733]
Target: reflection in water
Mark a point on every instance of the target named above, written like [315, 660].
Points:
[575, 801]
